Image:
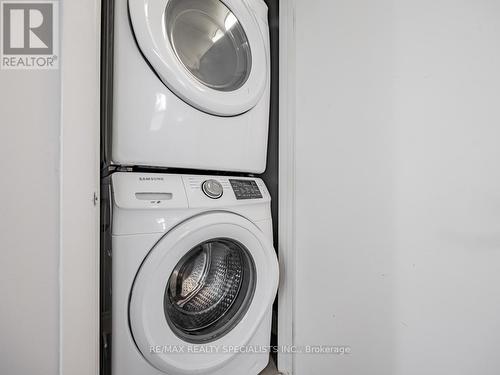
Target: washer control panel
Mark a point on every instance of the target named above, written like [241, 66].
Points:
[212, 188]
[245, 189]
[224, 191]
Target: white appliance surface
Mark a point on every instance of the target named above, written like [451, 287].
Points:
[177, 242]
[191, 84]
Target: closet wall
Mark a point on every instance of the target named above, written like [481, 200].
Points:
[398, 186]
[29, 221]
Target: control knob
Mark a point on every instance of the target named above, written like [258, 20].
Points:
[212, 188]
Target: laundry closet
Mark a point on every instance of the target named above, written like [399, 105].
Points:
[189, 270]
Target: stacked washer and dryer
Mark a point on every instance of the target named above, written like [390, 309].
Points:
[194, 271]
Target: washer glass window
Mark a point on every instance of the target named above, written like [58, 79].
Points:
[210, 42]
[209, 290]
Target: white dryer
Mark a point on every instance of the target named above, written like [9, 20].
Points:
[191, 84]
[194, 274]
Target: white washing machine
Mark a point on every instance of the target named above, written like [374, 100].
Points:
[191, 84]
[194, 274]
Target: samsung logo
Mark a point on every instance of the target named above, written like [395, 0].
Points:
[150, 178]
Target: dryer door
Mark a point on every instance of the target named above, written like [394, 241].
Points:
[210, 53]
[209, 281]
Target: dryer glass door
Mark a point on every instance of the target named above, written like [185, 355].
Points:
[210, 42]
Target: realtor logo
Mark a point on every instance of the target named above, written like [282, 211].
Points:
[29, 35]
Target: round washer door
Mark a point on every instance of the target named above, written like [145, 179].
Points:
[207, 283]
[210, 53]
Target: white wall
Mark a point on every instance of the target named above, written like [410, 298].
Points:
[29, 222]
[79, 274]
[398, 186]
[49, 224]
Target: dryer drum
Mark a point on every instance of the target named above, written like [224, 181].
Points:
[209, 290]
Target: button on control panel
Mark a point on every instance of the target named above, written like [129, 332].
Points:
[245, 189]
[212, 189]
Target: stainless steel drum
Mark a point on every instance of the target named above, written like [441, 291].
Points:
[209, 290]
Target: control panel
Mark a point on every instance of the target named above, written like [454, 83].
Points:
[167, 191]
[222, 191]
[245, 189]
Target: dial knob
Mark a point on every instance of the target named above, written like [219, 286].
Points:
[212, 189]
